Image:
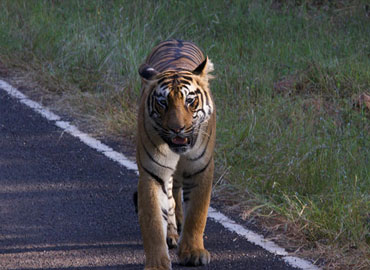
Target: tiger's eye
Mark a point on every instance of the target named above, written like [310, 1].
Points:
[190, 100]
[162, 102]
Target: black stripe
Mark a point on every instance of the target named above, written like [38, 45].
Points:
[156, 178]
[189, 185]
[165, 214]
[180, 43]
[148, 101]
[191, 49]
[204, 150]
[186, 193]
[188, 188]
[188, 78]
[192, 53]
[149, 138]
[174, 76]
[171, 50]
[195, 138]
[164, 44]
[161, 80]
[207, 98]
[187, 175]
[152, 159]
[197, 51]
[185, 82]
[178, 53]
[201, 96]
[166, 65]
[163, 84]
[187, 57]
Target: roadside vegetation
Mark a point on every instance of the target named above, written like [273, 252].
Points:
[293, 136]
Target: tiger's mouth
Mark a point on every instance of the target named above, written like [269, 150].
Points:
[179, 140]
[179, 144]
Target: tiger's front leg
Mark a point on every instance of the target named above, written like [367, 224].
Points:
[196, 195]
[172, 231]
[152, 205]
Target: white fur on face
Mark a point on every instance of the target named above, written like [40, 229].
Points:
[203, 114]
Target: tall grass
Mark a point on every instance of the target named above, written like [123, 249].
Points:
[286, 73]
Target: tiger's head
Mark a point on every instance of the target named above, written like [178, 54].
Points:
[178, 103]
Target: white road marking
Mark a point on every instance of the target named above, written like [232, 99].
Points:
[259, 240]
[97, 145]
[229, 224]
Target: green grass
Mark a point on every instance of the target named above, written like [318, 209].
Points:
[301, 150]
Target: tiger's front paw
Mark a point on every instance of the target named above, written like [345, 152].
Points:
[161, 263]
[194, 257]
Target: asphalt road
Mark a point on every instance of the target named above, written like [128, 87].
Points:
[63, 205]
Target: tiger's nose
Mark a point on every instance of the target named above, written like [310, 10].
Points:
[177, 129]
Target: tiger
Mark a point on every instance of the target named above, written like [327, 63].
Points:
[176, 131]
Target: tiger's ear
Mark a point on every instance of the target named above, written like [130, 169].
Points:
[147, 72]
[204, 68]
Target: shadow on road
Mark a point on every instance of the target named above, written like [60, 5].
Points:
[62, 204]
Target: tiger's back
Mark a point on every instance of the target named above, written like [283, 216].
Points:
[175, 55]
[176, 137]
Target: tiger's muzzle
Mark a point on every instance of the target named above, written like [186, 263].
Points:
[179, 142]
